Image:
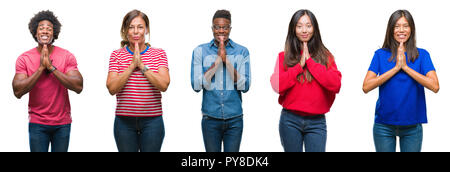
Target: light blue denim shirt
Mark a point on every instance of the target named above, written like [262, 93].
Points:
[222, 97]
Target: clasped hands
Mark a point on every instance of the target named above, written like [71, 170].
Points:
[305, 54]
[137, 58]
[45, 62]
[401, 58]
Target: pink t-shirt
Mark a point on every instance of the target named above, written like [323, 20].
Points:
[49, 99]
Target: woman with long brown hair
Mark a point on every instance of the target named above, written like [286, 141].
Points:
[137, 75]
[307, 79]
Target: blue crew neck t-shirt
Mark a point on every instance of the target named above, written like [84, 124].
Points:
[401, 99]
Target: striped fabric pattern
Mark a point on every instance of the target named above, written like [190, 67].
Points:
[138, 98]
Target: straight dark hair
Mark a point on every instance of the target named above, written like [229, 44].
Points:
[392, 45]
[292, 48]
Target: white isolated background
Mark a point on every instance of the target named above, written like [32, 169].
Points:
[352, 30]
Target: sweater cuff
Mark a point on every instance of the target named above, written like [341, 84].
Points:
[309, 61]
[298, 69]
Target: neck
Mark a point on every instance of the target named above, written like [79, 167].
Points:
[224, 43]
[49, 46]
[142, 47]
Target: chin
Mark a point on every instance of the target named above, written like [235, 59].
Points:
[304, 40]
[46, 43]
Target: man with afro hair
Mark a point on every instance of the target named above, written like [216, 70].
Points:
[47, 72]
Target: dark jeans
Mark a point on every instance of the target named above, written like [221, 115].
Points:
[134, 134]
[42, 135]
[216, 131]
[296, 130]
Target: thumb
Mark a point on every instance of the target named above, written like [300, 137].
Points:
[136, 47]
[45, 50]
[402, 45]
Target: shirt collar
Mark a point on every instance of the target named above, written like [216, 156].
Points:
[132, 53]
[229, 44]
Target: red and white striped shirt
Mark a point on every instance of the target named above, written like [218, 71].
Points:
[138, 98]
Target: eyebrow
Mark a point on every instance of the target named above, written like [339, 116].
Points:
[45, 25]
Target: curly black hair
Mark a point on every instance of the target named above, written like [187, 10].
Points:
[44, 15]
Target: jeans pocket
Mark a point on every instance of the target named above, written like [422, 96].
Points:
[205, 117]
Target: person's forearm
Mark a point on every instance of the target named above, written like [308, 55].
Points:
[157, 80]
[372, 83]
[212, 70]
[116, 83]
[74, 83]
[22, 87]
[430, 83]
[233, 72]
[328, 77]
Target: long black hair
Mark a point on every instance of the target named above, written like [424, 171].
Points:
[292, 48]
[392, 45]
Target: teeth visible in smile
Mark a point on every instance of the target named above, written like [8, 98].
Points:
[44, 37]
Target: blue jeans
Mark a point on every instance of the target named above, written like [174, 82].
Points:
[296, 130]
[216, 131]
[42, 135]
[134, 134]
[385, 137]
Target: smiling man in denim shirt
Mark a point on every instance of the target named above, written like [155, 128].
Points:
[221, 68]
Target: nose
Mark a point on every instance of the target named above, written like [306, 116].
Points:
[303, 30]
[45, 31]
[221, 30]
[135, 31]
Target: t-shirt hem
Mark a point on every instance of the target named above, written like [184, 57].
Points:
[401, 123]
[140, 115]
[51, 124]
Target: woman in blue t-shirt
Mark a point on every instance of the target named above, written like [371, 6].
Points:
[401, 70]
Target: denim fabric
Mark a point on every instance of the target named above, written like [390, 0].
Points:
[218, 131]
[41, 136]
[385, 137]
[222, 97]
[296, 130]
[134, 134]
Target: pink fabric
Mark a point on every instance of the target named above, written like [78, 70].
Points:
[49, 99]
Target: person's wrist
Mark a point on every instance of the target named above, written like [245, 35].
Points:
[49, 67]
[52, 68]
[404, 67]
[144, 68]
[218, 60]
[132, 65]
[41, 68]
[398, 67]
